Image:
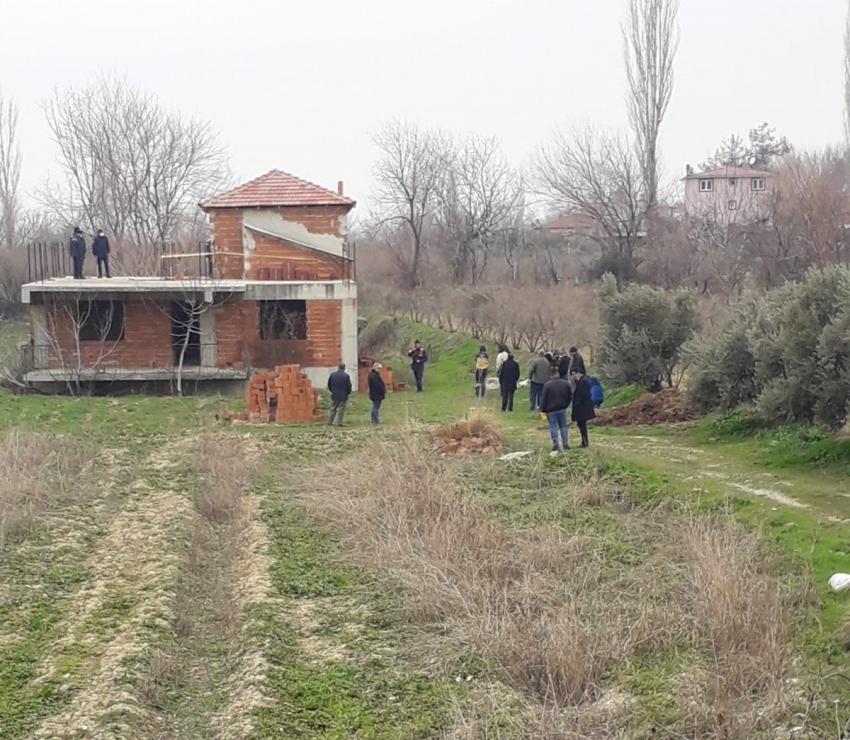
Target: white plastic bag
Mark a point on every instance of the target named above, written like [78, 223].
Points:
[840, 582]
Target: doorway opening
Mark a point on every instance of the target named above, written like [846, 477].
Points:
[185, 334]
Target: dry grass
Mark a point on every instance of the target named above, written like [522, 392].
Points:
[478, 423]
[40, 473]
[554, 613]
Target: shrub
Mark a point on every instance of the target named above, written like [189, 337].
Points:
[643, 330]
[786, 352]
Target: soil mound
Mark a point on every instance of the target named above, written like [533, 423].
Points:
[477, 434]
[666, 407]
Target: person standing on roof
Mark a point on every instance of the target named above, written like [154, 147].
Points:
[418, 357]
[100, 249]
[77, 250]
[482, 365]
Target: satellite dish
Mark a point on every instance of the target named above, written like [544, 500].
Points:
[752, 161]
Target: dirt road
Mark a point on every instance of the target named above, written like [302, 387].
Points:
[720, 469]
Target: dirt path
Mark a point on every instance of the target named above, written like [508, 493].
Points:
[720, 469]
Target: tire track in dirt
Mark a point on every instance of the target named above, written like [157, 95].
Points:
[136, 558]
[251, 579]
[693, 465]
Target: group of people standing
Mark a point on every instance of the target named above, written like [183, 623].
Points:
[99, 248]
[556, 382]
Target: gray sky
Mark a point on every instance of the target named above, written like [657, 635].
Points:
[300, 85]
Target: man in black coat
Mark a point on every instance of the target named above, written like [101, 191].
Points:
[582, 405]
[377, 391]
[100, 249]
[508, 380]
[564, 361]
[339, 384]
[77, 250]
[576, 362]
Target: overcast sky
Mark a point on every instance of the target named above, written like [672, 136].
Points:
[300, 86]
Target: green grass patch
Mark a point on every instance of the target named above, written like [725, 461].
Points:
[365, 683]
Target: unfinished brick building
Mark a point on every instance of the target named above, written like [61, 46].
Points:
[277, 287]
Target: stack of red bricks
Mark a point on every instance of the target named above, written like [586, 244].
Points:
[285, 396]
[365, 367]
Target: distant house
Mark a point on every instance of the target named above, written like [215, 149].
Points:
[728, 195]
[276, 286]
[574, 224]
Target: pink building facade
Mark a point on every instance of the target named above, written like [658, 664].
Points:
[729, 195]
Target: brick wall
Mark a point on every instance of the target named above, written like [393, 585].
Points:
[146, 342]
[270, 253]
[147, 337]
[274, 259]
[237, 325]
[324, 332]
[228, 255]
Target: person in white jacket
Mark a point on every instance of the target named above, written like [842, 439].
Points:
[501, 357]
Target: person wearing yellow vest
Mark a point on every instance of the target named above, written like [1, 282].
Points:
[482, 364]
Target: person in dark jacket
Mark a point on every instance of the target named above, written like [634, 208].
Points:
[582, 405]
[77, 250]
[554, 402]
[482, 365]
[339, 384]
[418, 357]
[377, 392]
[564, 361]
[100, 249]
[509, 374]
[576, 362]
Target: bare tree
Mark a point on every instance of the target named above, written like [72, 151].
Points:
[10, 172]
[477, 194]
[131, 167]
[598, 176]
[407, 176]
[650, 39]
[847, 78]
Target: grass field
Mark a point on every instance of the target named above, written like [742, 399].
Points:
[163, 575]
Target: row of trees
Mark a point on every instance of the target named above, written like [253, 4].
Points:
[126, 164]
[432, 189]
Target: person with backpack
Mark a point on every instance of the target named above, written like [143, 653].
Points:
[508, 381]
[377, 391]
[418, 357]
[597, 393]
[482, 364]
[582, 404]
[554, 401]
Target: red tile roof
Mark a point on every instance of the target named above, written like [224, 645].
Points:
[572, 222]
[274, 189]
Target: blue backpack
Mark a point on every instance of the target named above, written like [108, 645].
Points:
[597, 395]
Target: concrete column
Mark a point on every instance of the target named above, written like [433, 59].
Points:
[349, 338]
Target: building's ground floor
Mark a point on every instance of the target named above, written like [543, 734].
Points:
[145, 330]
